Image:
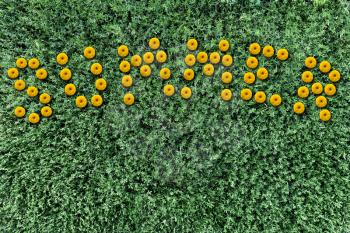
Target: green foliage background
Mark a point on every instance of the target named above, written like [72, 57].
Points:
[168, 165]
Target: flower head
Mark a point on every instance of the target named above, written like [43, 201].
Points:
[224, 45]
[81, 101]
[169, 90]
[202, 57]
[44, 98]
[282, 54]
[208, 69]
[154, 43]
[165, 73]
[96, 100]
[226, 77]
[307, 76]
[188, 74]
[21, 63]
[65, 74]
[226, 94]
[20, 85]
[275, 100]
[96, 68]
[190, 60]
[227, 60]
[62, 59]
[262, 73]
[89, 52]
[268, 51]
[123, 51]
[317, 88]
[70, 89]
[101, 84]
[127, 81]
[246, 94]
[20, 112]
[249, 78]
[186, 93]
[41, 74]
[299, 108]
[303, 92]
[34, 118]
[252, 62]
[310, 62]
[192, 44]
[32, 91]
[33, 63]
[124, 66]
[260, 97]
[161, 56]
[325, 67]
[214, 58]
[148, 58]
[129, 99]
[254, 48]
[46, 111]
[325, 115]
[321, 101]
[334, 76]
[330, 89]
[145, 71]
[12, 73]
[136, 60]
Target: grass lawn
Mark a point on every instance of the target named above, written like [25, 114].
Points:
[168, 164]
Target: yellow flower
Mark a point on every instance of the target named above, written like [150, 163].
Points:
[34, 118]
[127, 81]
[252, 62]
[275, 100]
[246, 94]
[96, 100]
[129, 99]
[282, 54]
[124, 66]
[190, 60]
[46, 111]
[62, 58]
[89, 52]
[321, 101]
[154, 43]
[21, 63]
[81, 101]
[254, 48]
[317, 88]
[325, 115]
[12, 73]
[325, 67]
[145, 71]
[41, 74]
[188, 74]
[136, 60]
[208, 69]
[44, 98]
[169, 90]
[303, 92]
[262, 73]
[330, 89]
[148, 58]
[96, 68]
[202, 57]
[192, 44]
[226, 77]
[249, 78]
[260, 97]
[20, 112]
[123, 51]
[214, 58]
[165, 73]
[161, 56]
[307, 77]
[101, 84]
[32, 91]
[224, 45]
[20, 85]
[334, 76]
[268, 51]
[299, 108]
[186, 93]
[70, 89]
[227, 60]
[310, 62]
[65, 74]
[226, 94]
[33, 63]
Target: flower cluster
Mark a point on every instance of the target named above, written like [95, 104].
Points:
[317, 89]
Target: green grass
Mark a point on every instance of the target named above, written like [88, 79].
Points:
[169, 165]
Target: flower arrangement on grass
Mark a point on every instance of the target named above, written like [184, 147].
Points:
[41, 74]
[325, 66]
[96, 68]
[224, 45]
[275, 100]
[154, 43]
[325, 115]
[252, 62]
[282, 54]
[13, 73]
[262, 73]
[214, 58]
[226, 77]
[100, 84]
[310, 62]
[249, 78]
[268, 51]
[254, 49]
[123, 51]
[161, 56]
[317, 88]
[227, 60]
[307, 76]
[136, 60]
[188, 74]
[303, 92]
[124, 66]
[321, 101]
[192, 44]
[145, 71]
[208, 69]
[334, 76]
[148, 57]
[330, 89]
[202, 57]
